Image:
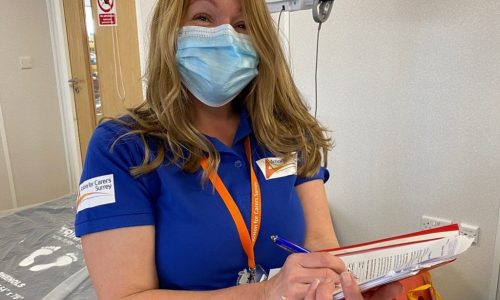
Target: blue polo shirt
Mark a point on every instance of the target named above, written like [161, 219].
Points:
[197, 245]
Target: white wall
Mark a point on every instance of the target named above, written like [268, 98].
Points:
[411, 90]
[30, 107]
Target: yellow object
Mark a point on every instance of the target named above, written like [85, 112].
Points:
[415, 294]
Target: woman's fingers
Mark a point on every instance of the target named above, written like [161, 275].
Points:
[311, 291]
[318, 260]
[309, 275]
[295, 291]
[320, 290]
[350, 287]
[302, 274]
[325, 290]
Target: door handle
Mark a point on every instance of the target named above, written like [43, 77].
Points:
[74, 81]
[74, 84]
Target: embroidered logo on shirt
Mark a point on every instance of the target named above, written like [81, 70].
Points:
[95, 192]
[276, 167]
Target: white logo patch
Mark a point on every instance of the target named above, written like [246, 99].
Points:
[95, 192]
[276, 167]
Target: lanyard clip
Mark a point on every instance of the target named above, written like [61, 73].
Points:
[251, 275]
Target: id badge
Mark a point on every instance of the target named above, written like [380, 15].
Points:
[247, 276]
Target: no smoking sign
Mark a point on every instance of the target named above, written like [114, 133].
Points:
[106, 11]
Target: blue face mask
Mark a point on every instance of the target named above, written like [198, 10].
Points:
[216, 63]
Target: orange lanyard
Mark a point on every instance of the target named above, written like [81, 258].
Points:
[247, 239]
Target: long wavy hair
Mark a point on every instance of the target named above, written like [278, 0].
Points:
[280, 118]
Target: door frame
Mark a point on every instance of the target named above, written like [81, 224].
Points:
[495, 273]
[64, 91]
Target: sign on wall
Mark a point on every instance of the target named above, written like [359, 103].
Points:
[106, 11]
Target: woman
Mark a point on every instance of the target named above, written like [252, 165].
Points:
[179, 198]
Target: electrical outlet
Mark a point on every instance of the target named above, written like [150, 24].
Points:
[427, 222]
[25, 62]
[471, 231]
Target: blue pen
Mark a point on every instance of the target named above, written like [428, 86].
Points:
[287, 245]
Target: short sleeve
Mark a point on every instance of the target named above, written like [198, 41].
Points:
[322, 174]
[109, 196]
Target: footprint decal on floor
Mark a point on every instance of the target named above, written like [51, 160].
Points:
[61, 261]
[42, 251]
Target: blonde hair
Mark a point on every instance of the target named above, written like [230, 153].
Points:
[280, 118]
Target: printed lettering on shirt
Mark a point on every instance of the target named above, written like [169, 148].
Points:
[96, 191]
[276, 167]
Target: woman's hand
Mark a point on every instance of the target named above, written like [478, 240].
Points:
[352, 292]
[304, 272]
